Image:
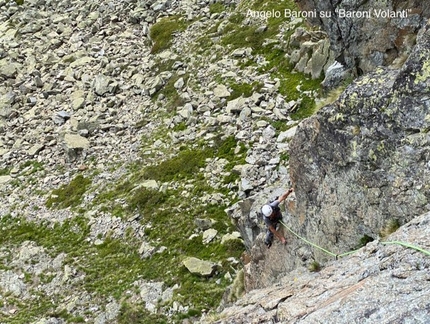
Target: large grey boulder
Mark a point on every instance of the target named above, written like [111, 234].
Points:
[74, 145]
[200, 267]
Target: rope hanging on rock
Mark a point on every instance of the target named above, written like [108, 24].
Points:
[351, 252]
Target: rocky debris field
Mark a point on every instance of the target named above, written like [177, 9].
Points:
[94, 98]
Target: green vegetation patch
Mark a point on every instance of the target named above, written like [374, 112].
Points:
[162, 32]
[187, 163]
[216, 7]
[244, 89]
[390, 227]
[238, 35]
[175, 228]
[110, 268]
[180, 127]
[314, 266]
[69, 195]
[137, 314]
[169, 219]
[182, 166]
[293, 84]
[33, 166]
[4, 171]
[174, 100]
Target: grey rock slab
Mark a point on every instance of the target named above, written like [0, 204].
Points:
[35, 149]
[287, 135]
[179, 84]
[150, 184]
[101, 84]
[73, 141]
[8, 70]
[236, 105]
[199, 267]
[78, 99]
[150, 293]
[230, 237]
[221, 91]
[203, 224]
[5, 179]
[209, 235]
[11, 283]
[146, 250]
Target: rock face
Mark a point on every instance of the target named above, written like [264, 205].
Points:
[363, 160]
[349, 28]
[356, 166]
[382, 283]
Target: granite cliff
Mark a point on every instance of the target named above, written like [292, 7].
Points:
[361, 39]
[358, 165]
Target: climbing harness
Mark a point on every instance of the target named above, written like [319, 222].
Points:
[351, 252]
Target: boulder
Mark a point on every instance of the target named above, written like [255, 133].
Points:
[203, 224]
[35, 149]
[221, 91]
[101, 84]
[209, 235]
[236, 105]
[150, 184]
[5, 179]
[74, 145]
[230, 237]
[200, 267]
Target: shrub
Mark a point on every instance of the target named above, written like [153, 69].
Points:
[180, 127]
[161, 33]
[4, 171]
[183, 166]
[314, 266]
[244, 89]
[364, 240]
[146, 200]
[69, 195]
[130, 313]
[174, 100]
[238, 288]
[216, 8]
[390, 227]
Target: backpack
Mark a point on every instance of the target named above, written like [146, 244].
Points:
[276, 209]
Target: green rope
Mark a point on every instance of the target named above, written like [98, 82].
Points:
[408, 246]
[351, 252]
[346, 253]
[303, 239]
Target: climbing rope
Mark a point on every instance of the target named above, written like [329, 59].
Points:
[408, 246]
[351, 252]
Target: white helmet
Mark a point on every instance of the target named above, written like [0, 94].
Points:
[267, 210]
